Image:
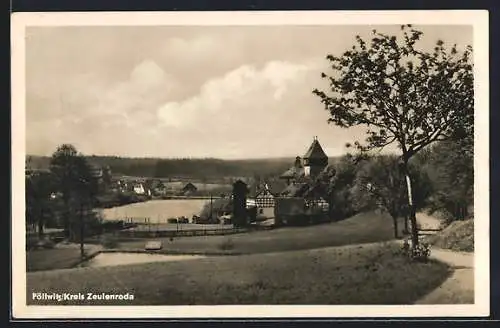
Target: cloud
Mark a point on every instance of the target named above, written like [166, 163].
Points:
[147, 74]
[96, 114]
[266, 110]
[243, 92]
[231, 116]
[223, 91]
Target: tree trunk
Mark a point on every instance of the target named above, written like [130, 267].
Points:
[40, 225]
[406, 230]
[411, 207]
[395, 221]
[82, 227]
[66, 219]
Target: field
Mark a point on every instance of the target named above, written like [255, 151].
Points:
[365, 274]
[292, 265]
[361, 228]
[156, 210]
[458, 236]
[56, 258]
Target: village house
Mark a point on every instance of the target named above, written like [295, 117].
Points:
[301, 178]
[294, 173]
[265, 195]
[309, 168]
[141, 189]
[122, 185]
[264, 200]
[315, 160]
[189, 189]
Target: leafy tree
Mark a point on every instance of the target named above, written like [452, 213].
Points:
[452, 163]
[63, 166]
[380, 183]
[336, 183]
[39, 189]
[402, 95]
[85, 190]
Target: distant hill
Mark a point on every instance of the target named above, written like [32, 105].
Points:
[193, 168]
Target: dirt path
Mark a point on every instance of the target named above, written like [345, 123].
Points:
[459, 287]
[427, 221]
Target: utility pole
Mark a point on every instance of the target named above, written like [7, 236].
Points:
[211, 209]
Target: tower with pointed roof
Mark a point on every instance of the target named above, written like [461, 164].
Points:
[315, 159]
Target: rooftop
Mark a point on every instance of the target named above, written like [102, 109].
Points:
[315, 150]
[292, 172]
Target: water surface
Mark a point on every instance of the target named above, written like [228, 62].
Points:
[158, 211]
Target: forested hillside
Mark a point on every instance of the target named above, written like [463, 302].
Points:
[201, 169]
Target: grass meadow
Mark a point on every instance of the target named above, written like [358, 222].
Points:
[362, 228]
[362, 274]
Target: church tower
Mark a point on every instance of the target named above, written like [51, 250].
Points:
[315, 160]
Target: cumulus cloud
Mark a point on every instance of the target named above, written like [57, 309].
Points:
[178, 91]
[246, 91]
[98, 115]
[147, 74]
[251, 111]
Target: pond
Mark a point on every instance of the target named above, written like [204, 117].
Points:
[158, 211]
[123, 258]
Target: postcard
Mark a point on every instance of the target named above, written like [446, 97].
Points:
[285, 164]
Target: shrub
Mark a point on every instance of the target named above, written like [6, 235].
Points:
[226, 245]
[109, 242]
[420, 253]
[458, 236]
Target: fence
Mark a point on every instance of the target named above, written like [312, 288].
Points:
[144, 228]
[133, 234]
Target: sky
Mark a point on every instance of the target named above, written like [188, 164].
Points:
[228, 92]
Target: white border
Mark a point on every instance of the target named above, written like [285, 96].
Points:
[477, 18]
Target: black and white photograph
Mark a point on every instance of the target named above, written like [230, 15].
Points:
[289, 164]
